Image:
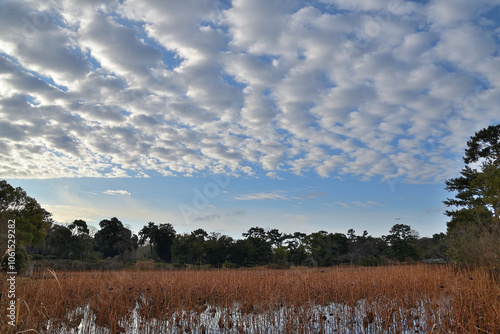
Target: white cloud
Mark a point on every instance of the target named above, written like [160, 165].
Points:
[373, 203]
[451, 12]
[361, 204]
[359, 4]
[343, 204]
[118, 192]
[258, 25]
[367, 88]
[277, 195]
[356, 204]
[68, 213]
[467, 46]
[274, 175]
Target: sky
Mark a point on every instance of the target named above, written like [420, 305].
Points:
[223, 115]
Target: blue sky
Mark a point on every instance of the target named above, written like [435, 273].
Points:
[297, 115]
[231, 205]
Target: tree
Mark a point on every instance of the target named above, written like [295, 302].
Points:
[163, 239]
[239, 252]
[276, 238]
[217, 248]
[351, 235]
[297, 248]
[364, 248]
[473, 231]
[59, 241]
[327, 248]
[259, 246]
[31, 222]
[190, 248]
[256, 232]
[145, 236]
[401, 241]
[197, 245]
[160, 239]
[478, 185]
[487, 184]
[79, 227]
[113, 239]
[280, 258]
[473, 238]
[433, 248]
[484, 144]
[180, 249]
[82, 242]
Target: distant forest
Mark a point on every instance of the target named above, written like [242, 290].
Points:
[158, 245]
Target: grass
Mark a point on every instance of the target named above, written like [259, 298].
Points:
[400, 299]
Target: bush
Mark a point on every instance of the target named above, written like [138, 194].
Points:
[477, 245]
[370, 261]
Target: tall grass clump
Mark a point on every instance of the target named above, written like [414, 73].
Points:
[400, 299]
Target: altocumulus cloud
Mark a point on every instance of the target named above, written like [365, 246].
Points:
[388, 89]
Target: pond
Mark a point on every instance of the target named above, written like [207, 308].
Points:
[362, 317]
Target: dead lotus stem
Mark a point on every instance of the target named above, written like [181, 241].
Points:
[432, 299]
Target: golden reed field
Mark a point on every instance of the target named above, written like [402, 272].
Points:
[399, 299]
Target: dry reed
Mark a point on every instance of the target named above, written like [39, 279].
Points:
[401, 299]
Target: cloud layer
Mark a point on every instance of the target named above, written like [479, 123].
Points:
[388, 89]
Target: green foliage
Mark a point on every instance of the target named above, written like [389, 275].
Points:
[217, 249]
[71, 242]
[487, 185]
[434, 248]
[276, 238]
[190, 248]
[280, 258]
[239, 252]
[297, 249]
[113, 239]
[474, 238]
[31, 221]
[364, 246]
[79, 227]
[259, 246]
[181, 249]
[484, 144]
[327, 249]
[59, 241]
[160, 239]
[402, 243]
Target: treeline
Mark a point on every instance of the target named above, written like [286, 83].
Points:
[114, 244]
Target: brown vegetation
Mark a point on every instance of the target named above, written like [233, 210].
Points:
[401, 299]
